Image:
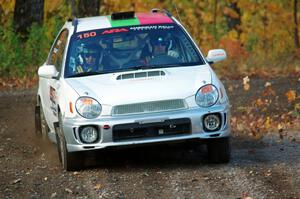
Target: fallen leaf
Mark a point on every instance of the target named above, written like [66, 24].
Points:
[259, 102]
[268, 173]
[76, 173]
[246, 84]
[246, 80]
[97, 186]
[280, 127]
[53, 195]
[16, 181]
[268, 122]
[68, 190]
[267, 84]
[291, 95]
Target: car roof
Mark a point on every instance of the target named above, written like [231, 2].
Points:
[102, 22]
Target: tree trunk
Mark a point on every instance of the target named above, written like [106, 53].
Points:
[233, 20]
[73, 7]
[88, 8]
[26, 12]
[296, 30]
[215, 19]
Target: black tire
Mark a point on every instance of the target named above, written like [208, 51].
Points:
[219, 150]
[70, 161]
[41, 126]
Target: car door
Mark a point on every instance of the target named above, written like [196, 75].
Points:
[51, 87]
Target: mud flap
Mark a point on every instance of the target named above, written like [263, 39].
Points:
[55, 124]
[38, 128]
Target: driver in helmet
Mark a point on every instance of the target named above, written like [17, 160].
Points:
[87, 59]
[159, 45]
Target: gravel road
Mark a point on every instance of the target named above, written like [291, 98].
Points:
[29, 168]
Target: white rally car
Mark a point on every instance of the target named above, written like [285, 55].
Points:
[130, 79]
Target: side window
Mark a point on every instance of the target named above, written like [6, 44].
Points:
[57, 53]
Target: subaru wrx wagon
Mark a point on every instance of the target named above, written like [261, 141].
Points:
[130, 79]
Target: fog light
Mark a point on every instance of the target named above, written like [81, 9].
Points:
[212, 122]
[88, 134]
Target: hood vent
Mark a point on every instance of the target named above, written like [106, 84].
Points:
[141, 75]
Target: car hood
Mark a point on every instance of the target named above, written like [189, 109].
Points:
[168, 83]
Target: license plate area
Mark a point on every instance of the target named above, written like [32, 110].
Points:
[150, 130]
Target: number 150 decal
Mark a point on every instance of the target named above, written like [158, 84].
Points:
[87, 35]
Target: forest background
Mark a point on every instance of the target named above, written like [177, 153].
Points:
[261, 37]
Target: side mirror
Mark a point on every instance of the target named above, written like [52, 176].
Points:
[216, 55]
[48, 71]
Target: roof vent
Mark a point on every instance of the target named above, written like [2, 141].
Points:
[122, 15]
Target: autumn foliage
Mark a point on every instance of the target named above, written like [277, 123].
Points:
[257, 35]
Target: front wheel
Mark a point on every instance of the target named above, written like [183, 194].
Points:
[219, 150]
[70, 160]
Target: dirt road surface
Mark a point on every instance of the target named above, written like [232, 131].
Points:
[29, 167]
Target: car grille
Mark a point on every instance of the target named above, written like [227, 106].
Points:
[123, 132]
[149, 107]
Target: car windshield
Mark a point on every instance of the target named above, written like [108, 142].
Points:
[129, 48]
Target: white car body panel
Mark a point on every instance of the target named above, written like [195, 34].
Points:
[178, 83]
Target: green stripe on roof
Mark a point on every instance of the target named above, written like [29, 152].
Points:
[123, 22]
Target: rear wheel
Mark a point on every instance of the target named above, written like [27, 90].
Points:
[219, 150]
[70, 160]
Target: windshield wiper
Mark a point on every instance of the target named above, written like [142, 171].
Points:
[171, 65]
[154, 66]
[142, 67]
[86, 74]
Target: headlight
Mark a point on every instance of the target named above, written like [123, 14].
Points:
[88, 107]
[207, 95]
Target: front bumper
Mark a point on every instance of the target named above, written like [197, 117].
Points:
[106, 138]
